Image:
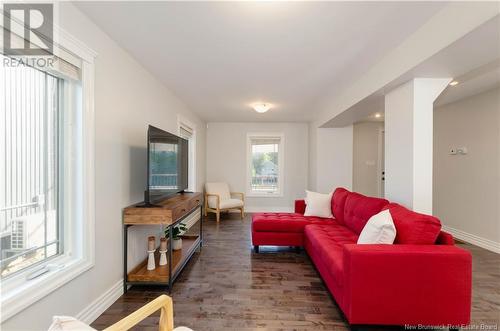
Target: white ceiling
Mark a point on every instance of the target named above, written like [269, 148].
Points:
[220, 57]
[470, 85]
[473, 60]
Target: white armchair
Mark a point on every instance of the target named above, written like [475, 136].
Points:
[218, 198]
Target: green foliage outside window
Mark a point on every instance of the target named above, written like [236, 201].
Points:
[260, 160]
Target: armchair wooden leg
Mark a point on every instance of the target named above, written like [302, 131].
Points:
[242, 213]
[218, 215]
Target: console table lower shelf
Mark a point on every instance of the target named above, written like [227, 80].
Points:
[140, 275]
[181, 209]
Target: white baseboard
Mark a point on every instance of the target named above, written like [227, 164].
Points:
[269, 209]
[90, 313]
[474, 240]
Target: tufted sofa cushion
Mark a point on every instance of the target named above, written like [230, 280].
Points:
[338, 203]
[413, 227]
[284, 222]
[327, 243]
[359, 208]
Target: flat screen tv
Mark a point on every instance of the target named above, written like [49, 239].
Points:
[167, 165]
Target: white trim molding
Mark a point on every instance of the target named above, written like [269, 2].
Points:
[34, 290]
[473, 239]
[90, 313]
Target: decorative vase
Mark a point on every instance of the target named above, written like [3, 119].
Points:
[177, 244]
[163, 251]
[151, 260]
[163, 257]
[151, 252]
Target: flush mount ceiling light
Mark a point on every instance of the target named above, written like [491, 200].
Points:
[261, 107]
[454, 83]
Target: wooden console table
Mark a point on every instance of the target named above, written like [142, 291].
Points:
[167, 213]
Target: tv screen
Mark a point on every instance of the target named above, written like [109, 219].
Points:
[167, 164]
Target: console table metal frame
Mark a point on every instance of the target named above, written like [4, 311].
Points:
[171, 277]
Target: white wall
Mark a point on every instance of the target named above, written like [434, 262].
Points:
[467, 187]
[439, 32]
[226, 160]
[330, 164]
[127, 98]
[365, 165]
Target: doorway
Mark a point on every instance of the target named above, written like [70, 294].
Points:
[368, 158]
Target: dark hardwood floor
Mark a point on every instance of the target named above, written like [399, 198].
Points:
[228, 287]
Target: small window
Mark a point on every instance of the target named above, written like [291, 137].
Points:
[188, 132]
[265, 164]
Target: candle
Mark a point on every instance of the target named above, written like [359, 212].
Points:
[151, 243]
[163, 244]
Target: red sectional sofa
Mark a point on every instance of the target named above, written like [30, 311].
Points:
[423, 278]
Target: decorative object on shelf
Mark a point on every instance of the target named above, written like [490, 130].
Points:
[177, 244]
[151, 253]
[177, 231]
[151, 243]
[163, 251]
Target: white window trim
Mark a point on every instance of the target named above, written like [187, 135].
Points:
[183, 122]
[281, 165]
[17, 293]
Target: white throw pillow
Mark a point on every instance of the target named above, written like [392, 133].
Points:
[68, 323]
[318, 204]
[379, 229]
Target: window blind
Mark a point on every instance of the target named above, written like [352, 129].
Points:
[185, 132]
[29, 172]
[265, 140]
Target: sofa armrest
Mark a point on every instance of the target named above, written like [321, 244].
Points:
[407, 284]
[300, 206]
[444, 238]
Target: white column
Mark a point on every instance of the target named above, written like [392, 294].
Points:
[409, 142]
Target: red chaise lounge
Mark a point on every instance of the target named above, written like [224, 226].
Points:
[423, 278]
